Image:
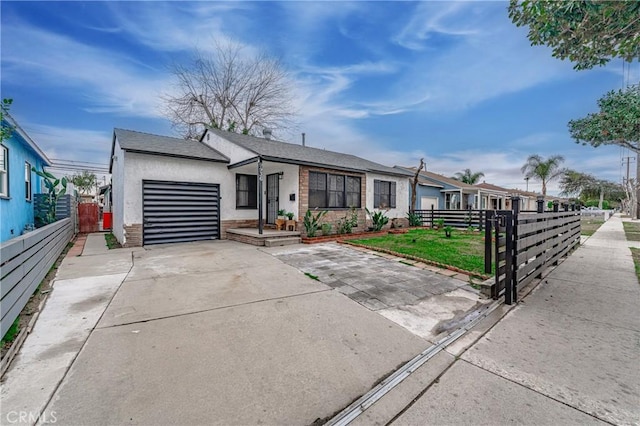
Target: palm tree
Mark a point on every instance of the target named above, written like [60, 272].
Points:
[467, 176]
[543, 170]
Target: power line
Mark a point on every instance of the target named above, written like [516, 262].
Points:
[76, 161]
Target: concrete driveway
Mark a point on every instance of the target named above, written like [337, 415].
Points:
[224, 333]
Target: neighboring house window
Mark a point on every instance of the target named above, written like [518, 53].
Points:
[246, 191]
[384, 194]
[4, 171]
[451, 202]
[333, 191]
[27, 181]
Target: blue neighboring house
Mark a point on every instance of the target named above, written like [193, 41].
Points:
[445, 193]
[18, 183]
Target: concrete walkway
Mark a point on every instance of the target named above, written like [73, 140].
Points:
[213, 332]
[569, 353]
[81, 291]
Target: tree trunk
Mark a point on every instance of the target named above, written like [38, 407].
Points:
[601, 198]
[637, 186]
[414, 186]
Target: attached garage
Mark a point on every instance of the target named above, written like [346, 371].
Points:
[426, 203]
[167, 190]
[179, 211]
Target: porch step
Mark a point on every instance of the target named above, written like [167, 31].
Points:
[274, 242]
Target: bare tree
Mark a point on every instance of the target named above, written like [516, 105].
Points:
[227, 90]
[414, 185]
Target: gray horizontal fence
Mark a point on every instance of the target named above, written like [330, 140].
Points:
[25, 261]
[65, 206]
[453, 218]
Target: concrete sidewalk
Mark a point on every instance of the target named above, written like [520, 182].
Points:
[569, 353]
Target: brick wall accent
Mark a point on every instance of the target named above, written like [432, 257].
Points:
[133, 234]
[245, 239]
[333, 215]
[229, 224]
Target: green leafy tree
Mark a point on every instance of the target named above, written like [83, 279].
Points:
[543, 170]
[5, 130]
[617, 123]
[467, 176]
[588, 187]
[589, 33]
[84, 181]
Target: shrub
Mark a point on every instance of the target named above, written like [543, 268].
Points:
[414, 219]
[378, 218]
[312, 223]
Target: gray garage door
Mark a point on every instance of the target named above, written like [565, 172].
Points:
[180, 211]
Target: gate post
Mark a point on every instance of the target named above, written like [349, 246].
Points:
[515, 205]
[540, 203]
[556, 205]
[431, 216]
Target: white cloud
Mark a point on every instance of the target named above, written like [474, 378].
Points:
[71, 144]
[109, 81]
[430, 18]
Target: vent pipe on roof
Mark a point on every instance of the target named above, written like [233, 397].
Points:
[266, 133]
[303, 141]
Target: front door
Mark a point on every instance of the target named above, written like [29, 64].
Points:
[273, 192]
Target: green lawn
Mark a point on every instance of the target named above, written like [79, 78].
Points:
[632, 230]
[635, 253]
[464, 250]
[589, 225]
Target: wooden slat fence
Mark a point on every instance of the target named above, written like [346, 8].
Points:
[522, 244]
[454, 218]
[25, 261]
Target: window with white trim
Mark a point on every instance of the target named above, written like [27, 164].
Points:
[27, 181]
[384, 194]
[4, 171]
[246, 191]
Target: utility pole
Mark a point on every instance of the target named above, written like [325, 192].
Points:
[527, 180]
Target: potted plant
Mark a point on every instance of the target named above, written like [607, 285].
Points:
[281, 221]
[291, 224]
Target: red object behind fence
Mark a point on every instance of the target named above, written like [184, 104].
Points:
[88, 217]
[106, 220]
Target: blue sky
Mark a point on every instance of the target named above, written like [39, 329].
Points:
[454, 82]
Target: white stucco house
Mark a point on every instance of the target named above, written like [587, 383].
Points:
[170, 190]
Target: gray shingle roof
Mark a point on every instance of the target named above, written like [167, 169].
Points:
[273, 150]
[438, 177]
[133, 141]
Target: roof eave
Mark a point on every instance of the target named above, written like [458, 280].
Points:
[163, 154]
[13, 123]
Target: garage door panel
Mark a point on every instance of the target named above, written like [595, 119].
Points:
[180, 211]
